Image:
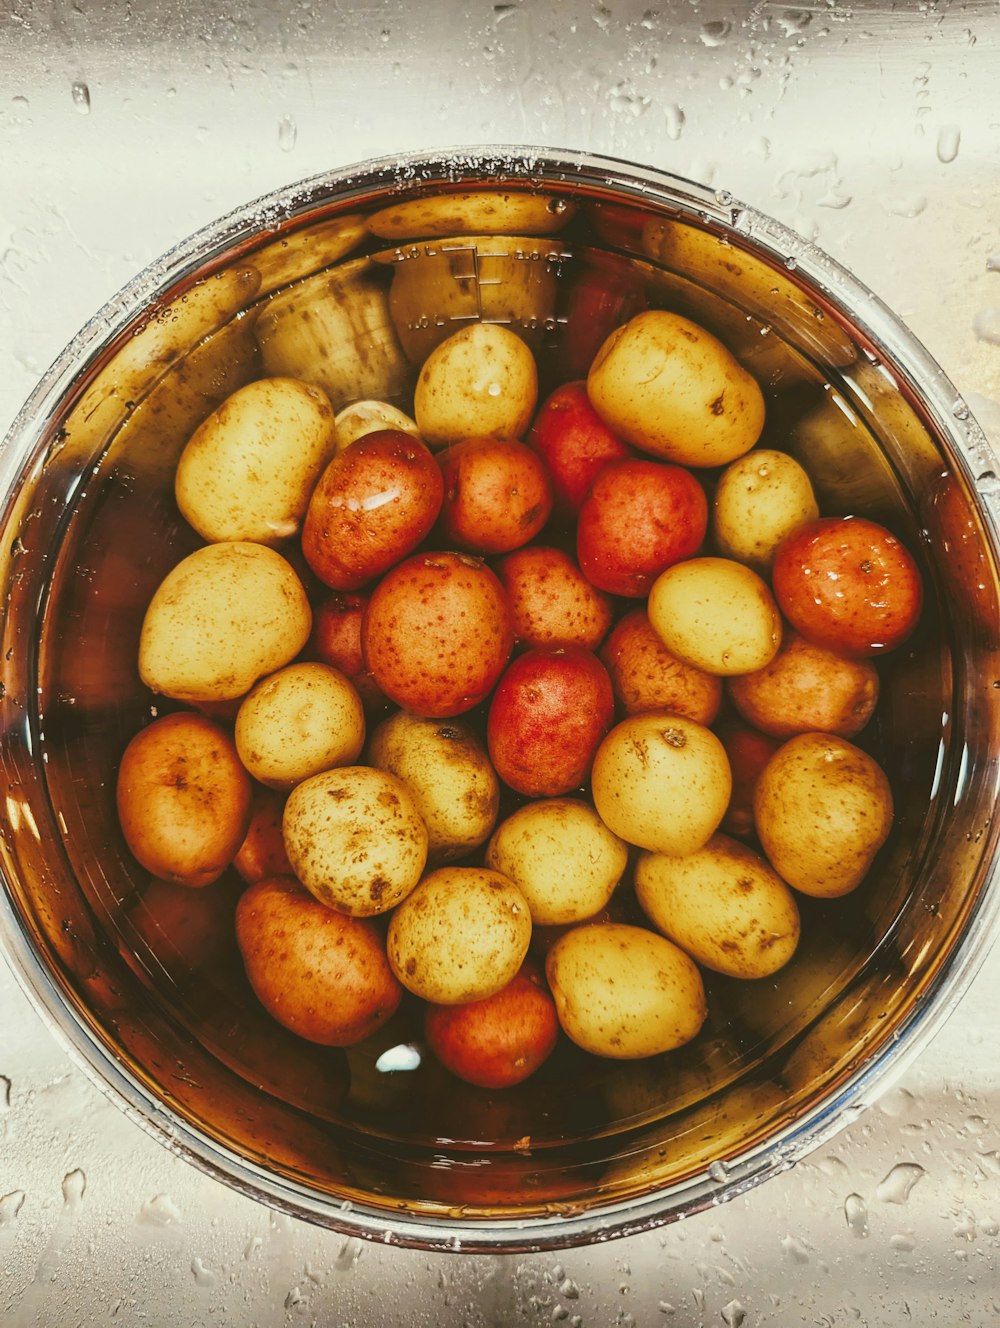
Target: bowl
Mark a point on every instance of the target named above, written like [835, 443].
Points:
[351, 278]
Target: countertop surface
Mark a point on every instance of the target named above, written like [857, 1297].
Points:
[873, 129]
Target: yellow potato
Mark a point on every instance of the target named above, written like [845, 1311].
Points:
[248, 471]
[723, 905]
[469, 211]
[562, 857]
[670, 388]
[460, 936]
[355, 839]
[303, 719]
[661, 782]
[823, 808]
[481, 382]
[760, 499]
[364, 417]
[222, 618]
[716, 614]
[624, 992]
[446, 768]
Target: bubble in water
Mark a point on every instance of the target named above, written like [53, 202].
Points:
[986, 325]
[896, 1186]
[74, 1187]
[675, 119]
[287, 133]
[715, 33]
[856, 1214]
[948, 141]
[733, 1314]
[10, 1205]
[81, 97]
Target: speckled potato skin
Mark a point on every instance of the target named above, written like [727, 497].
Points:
[299, 721]
[661, 782]
[497, 495]
[446, 768]
[551, 601]
[716, 614]
[460, 936]
[481, 382]
[723, 905]
[624, 992]
[823, 808]
[670, 388]
[319, 973]
[183, 799]
[646, 676]
[355, 839]
[807, 689]
[760, 498]
[247, 472]
[222, 618]
[437, 633]
[561, 856]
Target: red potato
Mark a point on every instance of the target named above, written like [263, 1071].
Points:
[374, 503]
[848, 584]
[549, 713]
[499, 1041]
[639, 518]
[262, 852]
[437, 633]
[497, 495]
[551, 601]
[575, 444]
[607, 293]
[183, 799]
[184, 930]
[646, 676]
[336, 640]
[807, 689]
[749, 752]
[318, 972]
[964, 565]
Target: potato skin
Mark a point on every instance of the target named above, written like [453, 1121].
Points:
[624, 992]
[670, 388]
[183, 799]
[319, 973]
[760, 498]
[222, 618]
[497, 495]
[823, 808]
[480, 382]
[723, 905]
[460, 936]
[646, 676]
[374, 503]
[575, 444]
[551, 602]
[262, 852]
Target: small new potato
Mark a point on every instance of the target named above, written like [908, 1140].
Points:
[661, 782]
[355, 839]
[183, 799]
[716, 614]
[823, 808]
[670, 388]
[444, 766]
[222, 618]
[723, 905]
[460, 936]
[624, 992]
[480, 382]
[247, 472]
[760, 499]
[562, 857]
[303, 719]
[551, 601]
[646, 676]
[365, 417]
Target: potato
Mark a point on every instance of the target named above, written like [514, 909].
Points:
[760, 499]
[574, 442]
[561, 856]
[460, 936]
[551, 602]
[497, 495]
[670, 388]
[661, 782]
[624, 992]
[262, 852]
[748, 752]
[480, 382]
[646, 676]
[317, 972]
[299, 721]
[355, 839]
[247, 472]
[716, 614]
[336, 640]
[823, 808]
[723, 905]
[807, 689]
[364, 417]
[449, 774]
[222, 618]
[497, 212]
[183, 799]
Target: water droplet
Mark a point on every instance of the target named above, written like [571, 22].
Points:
[665, 1307]
[715, 33]
[287, 133]
[81, 97]
[160, 1211]
[10, 1205]
[993, 263]
[626, 101]
[203, 1275]
[949, 138]
[723, 197]
[856, 1214]
[73, 1187]
[675, 118]
[986, 325]
[791, 263]
[901, 1242]
[718, 1171]
[960, 411]
[733, 1314]
[5, 1084]
[350, 1253]
[905, 204]
[493, 390]
[252, 1248]
[294, 1298]
[896, 1186]
[795, 1249]
[835, 199]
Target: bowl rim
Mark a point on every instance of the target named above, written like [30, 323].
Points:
[889, 338]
